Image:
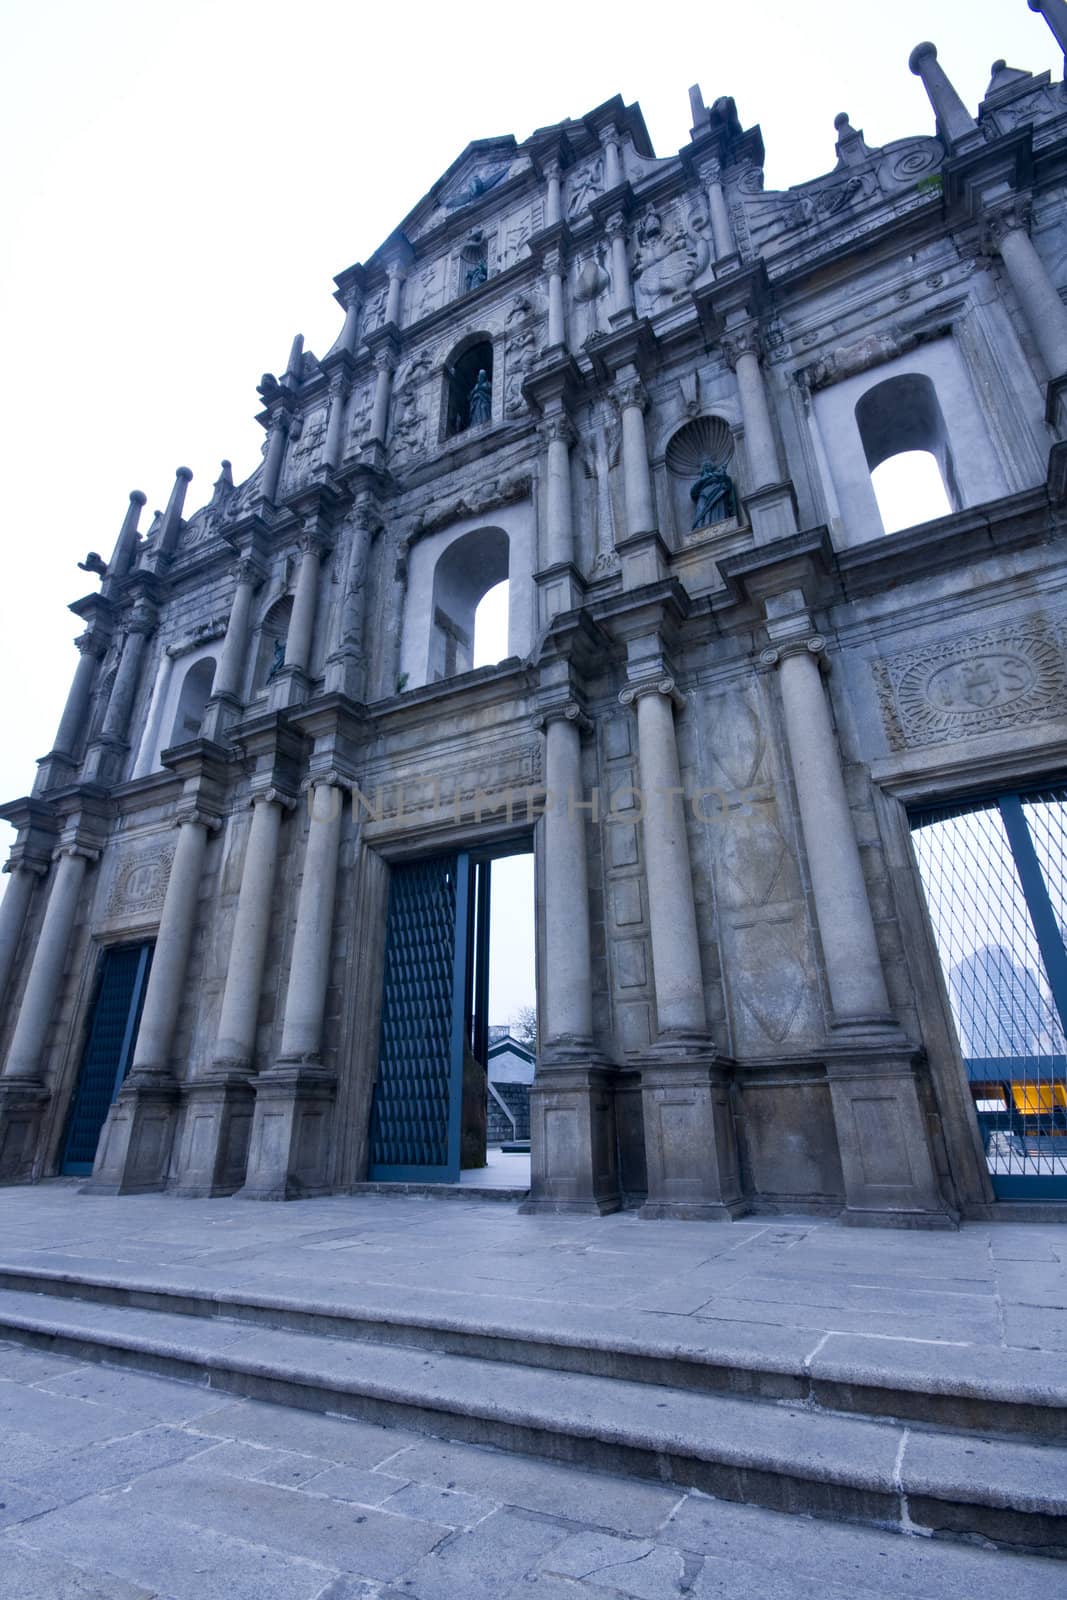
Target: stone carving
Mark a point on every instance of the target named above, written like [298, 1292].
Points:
[306, 438]
[475, 186]
[584, 185]
[668, 256]
[497, 492]
[847, 359]
[597, 464]
[141, 883]
[428, 291]
[359, 421]
[974, 683]
[713, 496]
[374, 311]
[517, 232]
[408, 418]
[481, 400]
[520, 353]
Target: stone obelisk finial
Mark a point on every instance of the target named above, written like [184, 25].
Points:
[126, 543]
[1055, 14]
[954, 122]
[170, 527]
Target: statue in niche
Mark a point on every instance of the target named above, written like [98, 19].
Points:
[481, 400]
[279, 659]
[477, 274]
[713, 495]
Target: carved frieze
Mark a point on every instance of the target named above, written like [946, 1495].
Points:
[973, 683]
[670, 253]
[500, 491]
[141, 883]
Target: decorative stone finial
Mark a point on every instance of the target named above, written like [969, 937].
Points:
[1055, 14]
[919, 55]
[955, 124]
[126, 544]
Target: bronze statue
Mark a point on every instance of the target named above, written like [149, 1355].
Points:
[279, 659]
[481, 403]
[713, 495]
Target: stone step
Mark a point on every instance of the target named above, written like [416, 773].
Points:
[772, 1453]
[1013, 1393]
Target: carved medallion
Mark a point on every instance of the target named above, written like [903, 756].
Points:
[140, 884]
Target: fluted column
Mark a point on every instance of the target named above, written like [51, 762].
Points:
[1055, 14]
[557, 432]
[305, 601]
[722, 232]
[622, 286]
[1045, 313]
[13, 908]
[127, 679]
[631, 397]
[568, 1000]
[331, 453]
[846, 927]
[75, 716]
[277, 434]
[41, 993]
[954, 121]
[235, 1041]
[679, 982]
[882, 1131]
[166, 983]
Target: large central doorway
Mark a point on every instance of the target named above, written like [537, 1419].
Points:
[436, 1114]
[114, 1018]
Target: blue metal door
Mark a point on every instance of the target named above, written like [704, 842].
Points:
[995, 876]
[116, 1015]
[415, 1123]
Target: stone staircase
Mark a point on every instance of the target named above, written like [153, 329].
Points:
[956, 1441]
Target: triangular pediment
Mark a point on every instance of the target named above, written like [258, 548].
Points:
[483, 166]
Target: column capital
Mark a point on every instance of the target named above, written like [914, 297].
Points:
[710, 171]
[312, 540]
[330, 779]
[142, 619]
[631, 393]
[814, 645]
[664, 686]
[384, 359]
[196, 814]
[558, 429]
[1011, 214]
[564, 711]
[91, 644]
[17, 862]
[246, 569]
[615, 224]
[742, 340]
[272, 796]
[74, 848]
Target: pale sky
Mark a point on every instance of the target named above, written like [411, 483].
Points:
[184, 180]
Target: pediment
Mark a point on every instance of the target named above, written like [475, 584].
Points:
[482, 167]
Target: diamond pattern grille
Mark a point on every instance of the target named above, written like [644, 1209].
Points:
[108, 1050]
[411, 1102]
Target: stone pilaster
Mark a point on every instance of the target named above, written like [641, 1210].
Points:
[557, 328]
[573, 1142]
[292, 1123]
[133, 1156]
[881, 1130]
[553, 196]
[690, 1143]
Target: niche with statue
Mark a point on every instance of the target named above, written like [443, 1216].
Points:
[701, 468]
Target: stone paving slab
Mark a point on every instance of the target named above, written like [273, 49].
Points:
[448, 1522]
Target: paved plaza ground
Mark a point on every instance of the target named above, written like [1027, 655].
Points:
[117, 1485]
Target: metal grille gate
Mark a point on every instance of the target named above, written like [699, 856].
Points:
[995, 877]
[415, 1125]
[116, 1015]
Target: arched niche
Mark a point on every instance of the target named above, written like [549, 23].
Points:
[469, 567]
[701, 461]
[272, 636]
[465, 386]
[902, 416]
[192, 701]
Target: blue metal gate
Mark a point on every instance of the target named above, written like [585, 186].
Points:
[415, 1124]
[116, 1015]
[995, 876]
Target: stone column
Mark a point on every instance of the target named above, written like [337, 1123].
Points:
[383, 384]
[171, 526]
[392, 303]
[23, 1094]
[631, 398]
[557, 433]
[348, 339]
[553, 199]
[219, 1104]
[277, 433]
[75, 716]
[13, 908]
[127, 678]
[230, 674]
[690, 1143]
[954, 121]
[770, 499]
[133, 1156]
[557, 329]
[347, 663]
[613, 173]
[1055, 14]
[622, 287]
[305, 601]
[881, 1128]
[1045, 313]
[331, 453]
[147, 755]
[574, 1158]
[290, 1142]
[722, 232]
[125, 552]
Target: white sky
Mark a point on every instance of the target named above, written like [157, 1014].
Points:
[183, 180]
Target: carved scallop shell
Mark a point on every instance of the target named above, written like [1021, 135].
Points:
[703, 439]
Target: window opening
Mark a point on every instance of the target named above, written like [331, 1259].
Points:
[491, 626]
[906, 444]
[466, 573]
[192, 702]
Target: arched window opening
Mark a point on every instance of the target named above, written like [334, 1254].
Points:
[192, 701]
[470, 388]
[273, 633]
[909, 490]
[899, 421]
[468, 570]
[491, 626]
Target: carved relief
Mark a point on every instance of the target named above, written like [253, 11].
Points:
[584, 183]
[359, 419]
[486, 497]
[306, 438]
[520, 353]
[847, 359]
[428, 291]
[668, 256]
[408, 415]
[598, 461]
[517, 230]
[974, 683]
[140, 884]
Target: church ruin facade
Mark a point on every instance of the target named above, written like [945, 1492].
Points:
[235, 947]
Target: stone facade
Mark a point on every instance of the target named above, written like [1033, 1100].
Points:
[708, 729]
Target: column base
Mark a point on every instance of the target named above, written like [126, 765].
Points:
[22, 1107]
[690, 1141]
[133, 1156]
[216, 1130]
[574, 1154]
[882, 1134]
[288, 1157]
